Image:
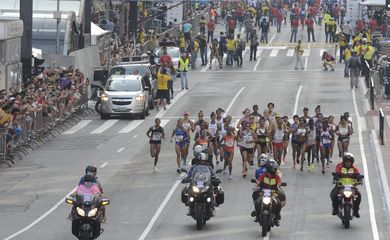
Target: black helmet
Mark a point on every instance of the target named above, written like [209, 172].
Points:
[272, 166]
[91, 169]
[348, 157]
[89, 178]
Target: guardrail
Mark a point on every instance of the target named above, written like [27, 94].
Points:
[381, 126]
[372, 94]
[32, 129]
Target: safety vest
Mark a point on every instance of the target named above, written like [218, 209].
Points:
[183, 64]
[269, 181]
[358, 50]
[230, 45]
[182, 42]
[369, 52]
[345, 178]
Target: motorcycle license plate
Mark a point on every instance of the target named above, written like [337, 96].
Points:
[200, 184]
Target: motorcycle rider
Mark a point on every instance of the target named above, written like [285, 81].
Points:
[271, 180]
[92, 170]
[262, 161]
[348, 175]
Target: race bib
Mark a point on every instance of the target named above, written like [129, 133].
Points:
[157, 136]
[179, 138]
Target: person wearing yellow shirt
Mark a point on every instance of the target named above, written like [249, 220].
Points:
[342, 45]
[347, 56]
[182, 43]
[230, 47]
[183, 68]
[162, 87]
[194, 52]
[368, 54]
[331, 30]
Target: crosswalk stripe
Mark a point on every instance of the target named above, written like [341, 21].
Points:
[106, 125]
[164, 122]
[77, 127]
[131, 126]
[274, 53]
[290, 53]
[306, 53]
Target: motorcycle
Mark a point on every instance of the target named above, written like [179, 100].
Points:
[202, 194]
[266, 214]
[346, 198]
[96, 88]
[87, 212]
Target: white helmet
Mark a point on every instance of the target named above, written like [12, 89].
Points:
[262, 159]
[197, 150]
[202, 157]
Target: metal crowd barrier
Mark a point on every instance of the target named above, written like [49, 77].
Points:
[36, 128]
[381, 126]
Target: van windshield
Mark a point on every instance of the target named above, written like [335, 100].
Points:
[123, 85]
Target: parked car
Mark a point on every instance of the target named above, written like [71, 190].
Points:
[143, 68]
[173, 52]
[124, 95]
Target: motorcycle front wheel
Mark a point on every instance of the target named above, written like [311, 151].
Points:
[347, 216]
[199, 217]
[265, 225]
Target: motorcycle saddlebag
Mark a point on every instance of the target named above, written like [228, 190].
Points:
[220, 198]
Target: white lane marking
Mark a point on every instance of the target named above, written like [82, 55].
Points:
[120, 149]
[322, 51]
[159, 210]
[306, 53]
[270, 41]
[363, 124]
[366, 174]
[135, 136]
[290, 53]
[164, 122]
[177, 97]
[387, 121]
[106, 125]
[258, 61]
[259, 53]
[77, 127]
[103, 165]
[235, 124]
[274, 53]
[233, 100]
[297, 99]
[381, 167]
[272, 47]
[41, 217]
[306, 61]
[131, 126]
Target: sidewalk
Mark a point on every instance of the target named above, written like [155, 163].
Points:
[381, 152]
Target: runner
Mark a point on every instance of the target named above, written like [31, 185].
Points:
[332, 129]
[294, 127]
[278, 133]
[311, 144]
[181, 135]
[247, 140]
[286, 138]
[189, 127]
[214, 127]
[244, 118]
[262, 133]
[155, 134]
[301, 133]
[228, 149]
[222, 133]
[326, 144]
[344, 130]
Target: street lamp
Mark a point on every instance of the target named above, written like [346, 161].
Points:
[57, 15]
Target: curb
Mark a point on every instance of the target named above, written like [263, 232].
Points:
[382, 173]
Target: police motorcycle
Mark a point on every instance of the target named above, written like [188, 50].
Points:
[88, 211]
[346, 198]
[203, 193]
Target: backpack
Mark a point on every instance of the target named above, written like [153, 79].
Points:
[242, 44]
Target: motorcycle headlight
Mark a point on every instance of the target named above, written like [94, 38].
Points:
[266, 200]
[80, 212]
[195, 189]
[139, 98]
[104, 98]
[347, 194]
[92, 213]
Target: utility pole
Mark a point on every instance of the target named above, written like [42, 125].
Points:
[57, 16]
[26, 15]
[87, 23]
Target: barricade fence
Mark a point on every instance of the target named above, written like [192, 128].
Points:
[381, 126]
[31, 129]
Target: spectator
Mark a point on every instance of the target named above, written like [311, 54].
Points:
[264, 27]
[254, 42]
[298, 54]
[162, 88]
[210, 30]
[203, 49]
[310, 28]
[202, 25]
[187, 28]
[327, 60]
[194, 47]
[294, 28]
[183, 68]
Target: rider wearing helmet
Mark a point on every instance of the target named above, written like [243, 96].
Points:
[91, 171]
[348, 174]
[202, 159]
[262, 162]
[271, 180]
[198, 149]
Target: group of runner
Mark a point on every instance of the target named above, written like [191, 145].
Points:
[312, 138]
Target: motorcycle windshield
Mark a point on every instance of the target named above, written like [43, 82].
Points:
[201, 173]
[88, 189]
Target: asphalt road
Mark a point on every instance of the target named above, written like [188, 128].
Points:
[146, 204]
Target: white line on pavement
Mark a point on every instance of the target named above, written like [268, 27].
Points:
[41, 217]
[159, 210]
[258, 61]
[103, 165]
[164, 122]
[306, 61]
[131, 126]
[233, 100]
[135, 136]
[274, 53]
[77, 127]
[306, 53]
[106, 125]
[297, 99]
[366, 176]
[290, 52]
[120, 149]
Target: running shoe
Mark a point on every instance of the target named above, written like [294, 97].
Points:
[155, 169]
[312, 166]
[224, 172]
[244, 175]
[230, 177]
